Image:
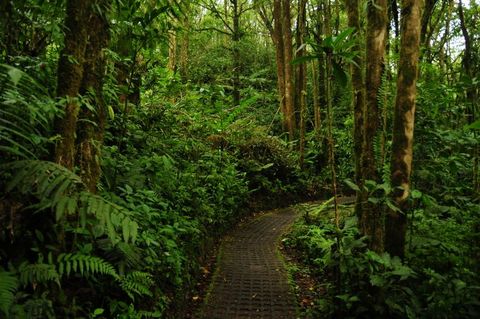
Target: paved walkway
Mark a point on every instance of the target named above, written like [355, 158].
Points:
[251, 280]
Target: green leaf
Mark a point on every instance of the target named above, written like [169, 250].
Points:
[416, 194]
[474, 126]
[111, 112]
[15, 75]
[352, 185]
[98, 312]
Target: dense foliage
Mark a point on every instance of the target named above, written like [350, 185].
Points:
[183, 120]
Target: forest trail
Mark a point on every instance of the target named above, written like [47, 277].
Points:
[251, 280]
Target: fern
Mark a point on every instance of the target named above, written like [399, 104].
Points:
[84, 265]
[60, 189]
[8, 287]
[137, 283]
[37, 274]
[26, 113]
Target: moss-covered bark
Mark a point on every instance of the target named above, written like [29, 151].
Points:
[70, 74]
[403, 125]
[90, 131]
[289, 75]
[370, 217]
[358, 94]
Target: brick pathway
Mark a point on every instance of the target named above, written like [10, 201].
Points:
[251, 280]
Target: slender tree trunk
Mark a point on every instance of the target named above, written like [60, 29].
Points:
[172, 50]
[358, 96]
[184, 44]
[472, 91]
[91, 129]
[70, 74]
[426, 18]
[403, 126]
[316, 98]
[280, 58]
[289, 76]
[371, 223]
[236, 36]
[301, 82]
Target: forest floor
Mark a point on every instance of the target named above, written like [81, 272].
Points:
[251, 280]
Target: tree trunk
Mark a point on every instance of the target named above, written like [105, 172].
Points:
[70, 74]
[426, 17]
[403, 125]
[316, 98]
[301, 81]
[371, 223]
[279, 58]
[472, 93]
[172, 50]
[289, 76]
[236, 36]
[90, 131]
[358, 96]
[184, 44]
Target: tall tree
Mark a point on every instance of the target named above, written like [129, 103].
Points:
[289, 76]
[358, 92]
[90, 130]
[282, 38]
[403, 125]
[371, 223]
[70, 75]
[301, 75]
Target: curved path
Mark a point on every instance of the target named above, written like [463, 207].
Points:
[251, 280]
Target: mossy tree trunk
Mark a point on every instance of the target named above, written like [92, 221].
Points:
[370, 216]
[91, 129]
[279, 57]
[289, 75]
[301, 76]
[403, 125]
[358, 96]
[70, 74]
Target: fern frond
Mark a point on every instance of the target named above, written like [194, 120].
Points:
[26, 112]
[33, 274]
[125, 253]
[61, 189]
[85, 265]
[8, 287]
[137, 283]
[46, 179]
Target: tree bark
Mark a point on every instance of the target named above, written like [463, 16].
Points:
[301, 75]
[69, 78]
[403, 126]
[90, 131]
[371, 223]
[237, 65]
[280, 58]
[358, 96]
[184, 44]
[289, 76]
[316, 98]
[172, 50]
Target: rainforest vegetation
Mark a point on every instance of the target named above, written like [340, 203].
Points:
[135, 133]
